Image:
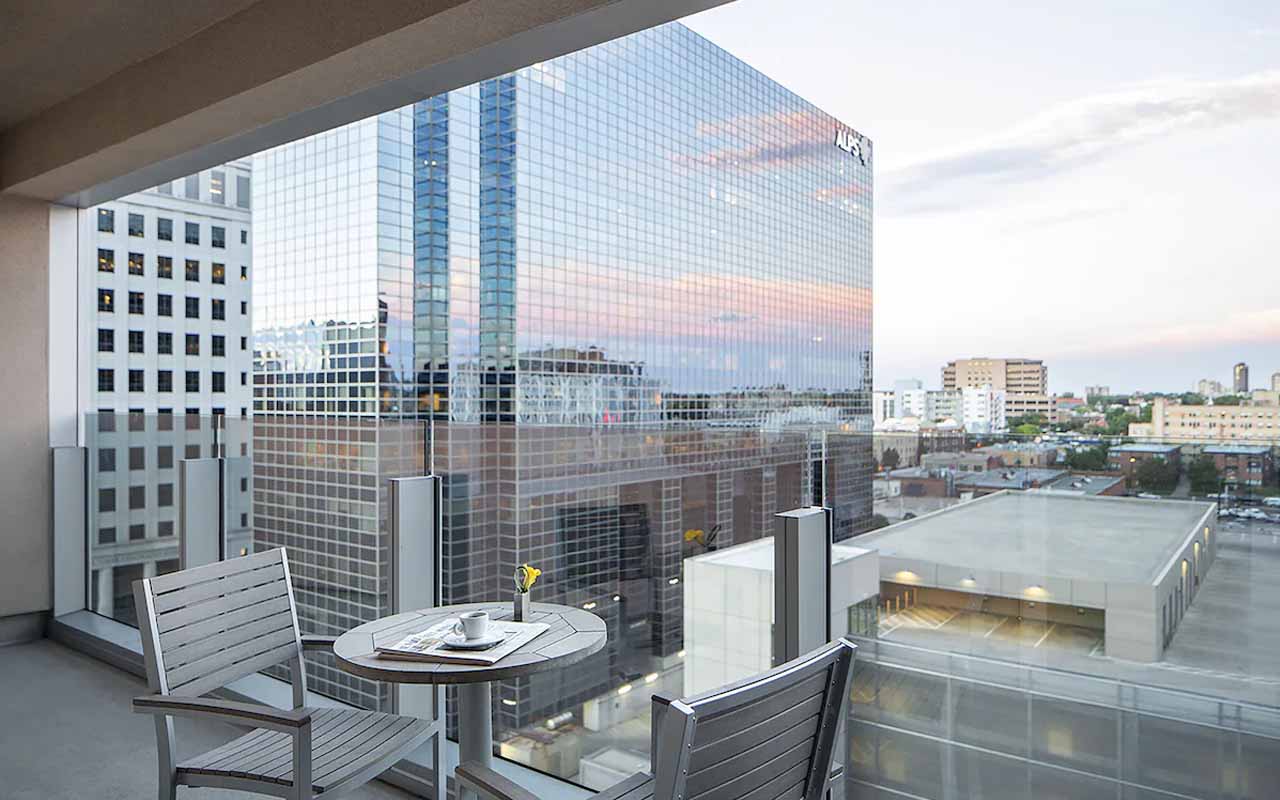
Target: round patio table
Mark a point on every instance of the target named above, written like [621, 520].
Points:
[573, 635]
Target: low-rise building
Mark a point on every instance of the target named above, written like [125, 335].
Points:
[1214, 423]
[921, 482]
[1022, 454]
[1243, 465]
[1088, 483]
[974, 461]
[980, 484]
[1127, 458]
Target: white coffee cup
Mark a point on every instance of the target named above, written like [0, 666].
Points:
[472, 624]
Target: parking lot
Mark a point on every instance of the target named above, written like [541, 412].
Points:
[978, 631]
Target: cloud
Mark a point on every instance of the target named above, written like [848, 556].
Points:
[1076, 133]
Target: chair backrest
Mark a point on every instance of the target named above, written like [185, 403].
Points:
[207, 626]
[770, 737]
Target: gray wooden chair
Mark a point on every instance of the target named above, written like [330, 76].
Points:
[770, 737]
[205, 627]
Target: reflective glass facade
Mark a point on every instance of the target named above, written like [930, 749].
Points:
[613, 300]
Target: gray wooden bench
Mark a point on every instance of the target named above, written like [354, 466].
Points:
[770, 737]
[205, 627]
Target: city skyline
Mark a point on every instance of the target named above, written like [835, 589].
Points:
[1017, 182]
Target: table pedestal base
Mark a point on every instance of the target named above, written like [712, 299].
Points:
[475, 727]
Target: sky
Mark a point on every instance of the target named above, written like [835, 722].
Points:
[1096, 184]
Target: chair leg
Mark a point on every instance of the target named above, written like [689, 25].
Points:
[165, 752]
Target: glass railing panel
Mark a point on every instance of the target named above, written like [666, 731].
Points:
[661, 532]
[133, 526]
[1077, 615]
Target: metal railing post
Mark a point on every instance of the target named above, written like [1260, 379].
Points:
[201, 525]
[70, 530]
[802, 599]
[414, 523]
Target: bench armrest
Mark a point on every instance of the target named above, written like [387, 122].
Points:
[489, 784]
[225, 710]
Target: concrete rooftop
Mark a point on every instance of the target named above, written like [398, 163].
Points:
[1107, 539]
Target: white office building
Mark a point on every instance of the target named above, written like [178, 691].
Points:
[166, 277]
[983, 409]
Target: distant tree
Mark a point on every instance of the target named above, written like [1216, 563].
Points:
[1157, 475]
[1118, 421]
[1037, 420]
[1204, 476]
[1192, 399]
[1227, 400]
[890, 459]
[1027, 429]
[1091, 459]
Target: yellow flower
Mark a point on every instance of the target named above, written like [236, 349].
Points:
[526, 576]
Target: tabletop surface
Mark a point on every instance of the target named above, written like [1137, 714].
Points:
[574, 634]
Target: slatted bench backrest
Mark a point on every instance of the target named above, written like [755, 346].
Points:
[207, 626]
[770, 737]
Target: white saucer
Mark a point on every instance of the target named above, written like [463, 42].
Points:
[455, 642]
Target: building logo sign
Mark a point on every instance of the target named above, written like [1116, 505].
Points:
[855, 144]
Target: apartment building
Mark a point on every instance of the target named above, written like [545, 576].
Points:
[1024, 382]
[1213, 423]
[1243, 465]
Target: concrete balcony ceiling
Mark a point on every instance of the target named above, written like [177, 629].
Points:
[106, 98]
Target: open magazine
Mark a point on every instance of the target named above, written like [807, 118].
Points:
[429, 645]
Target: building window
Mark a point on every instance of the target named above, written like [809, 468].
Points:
[164, 343]
[106, 500]
[137, 342]
[244, 307]
[244, 381]
[244, 237]
[106, 340]
[164, 305]
[244, 342]
[106, 260]
[164, 266]
[219, 411]
[164, 456]
[193, 270]
[106, 535]
[106, 300]
[219, 344]
[191, 187]
[164, 380]
[218, 272]
[191, 450]
[242, 192]
[193, 233]
[193, 308]
[193, 344]
[218, 187]
[218, 308]
[244, 273]
[106, 380]
[136, 304]
[217, 236]
[164, 229]
[106, 220]
[219, 381]
[193, 380]
[136, 226]
[137, 458]
[136, 381]
[135, 263]
[164, 527]
[137, 530]
[164, 495]
[107, 460]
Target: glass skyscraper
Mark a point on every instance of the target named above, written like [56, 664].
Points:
[614, 300]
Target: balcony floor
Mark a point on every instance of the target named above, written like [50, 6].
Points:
[67, 731]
